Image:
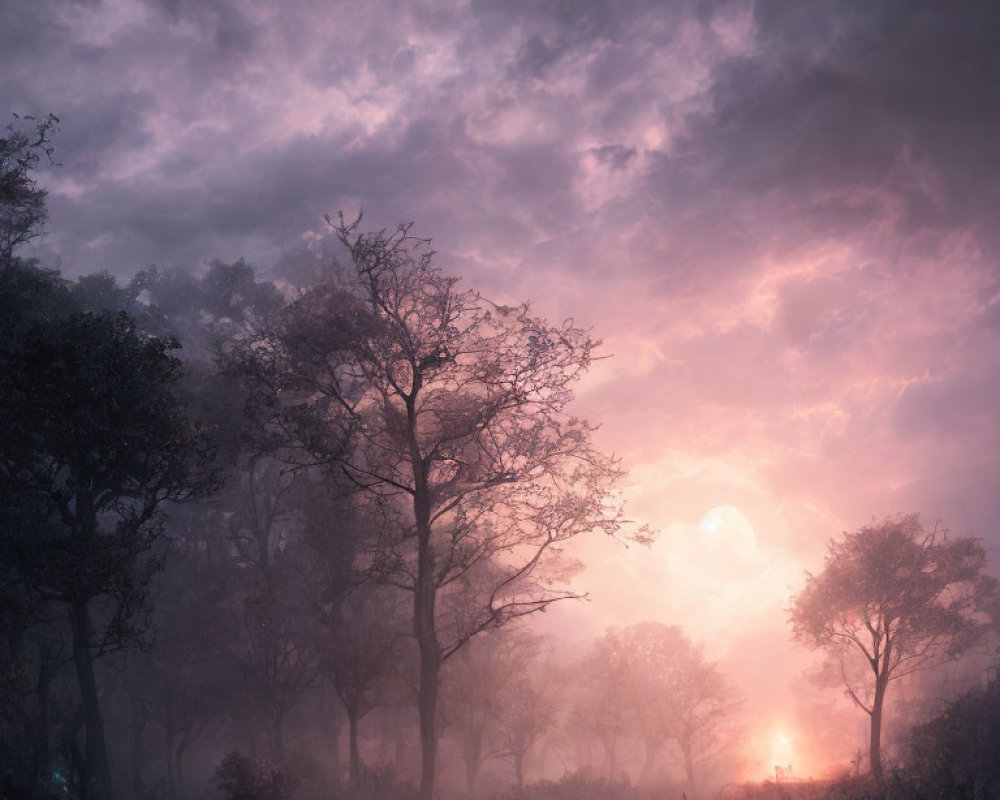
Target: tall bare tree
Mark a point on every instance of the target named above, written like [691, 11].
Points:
[450, 414]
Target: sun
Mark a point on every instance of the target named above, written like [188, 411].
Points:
[726, 526]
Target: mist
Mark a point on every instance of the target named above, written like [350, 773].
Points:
[537, 401]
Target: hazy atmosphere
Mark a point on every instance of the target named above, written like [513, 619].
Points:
[761, 247]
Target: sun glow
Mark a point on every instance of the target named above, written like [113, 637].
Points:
[727, 527]
[782, 754]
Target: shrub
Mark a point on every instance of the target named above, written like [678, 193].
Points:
[574, 787]
[242, 778]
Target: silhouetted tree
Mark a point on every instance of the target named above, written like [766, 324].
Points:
[899, 596]
[273, 648]
[95, 441]
[449, 413]
[362, 649]
[22, 200]
[179, 685]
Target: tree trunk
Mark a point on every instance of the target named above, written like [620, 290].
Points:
[519, 769]
[43, 735]
[473, 754]
[354, 753]
[424, 624]
[169, 736]
[875, 742]
[179, 766]
[430, 669]
[611, 749]
[471, 774]
[98, 777]
[278, 737]
[137, 725]
[649, 761]
[689, 772]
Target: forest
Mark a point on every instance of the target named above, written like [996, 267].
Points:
[286, 534]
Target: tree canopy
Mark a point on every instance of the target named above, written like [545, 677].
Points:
[902, 597]
[450, 414]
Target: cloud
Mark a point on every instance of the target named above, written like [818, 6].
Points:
[778, 216]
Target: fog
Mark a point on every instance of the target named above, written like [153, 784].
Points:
[498, 400]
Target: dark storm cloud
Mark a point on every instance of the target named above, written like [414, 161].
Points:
[618, 156]
[781, 215]
[894, 96]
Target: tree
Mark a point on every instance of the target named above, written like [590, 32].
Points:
[273, 648]
[651, 682]
[362, 652]
[95, 442]
[900, 596]
[22, 200]
[526, 713]
[476, 682]
[449, 413]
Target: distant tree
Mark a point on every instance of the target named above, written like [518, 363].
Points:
[901, 597]
[476, 682]
[179, 685]
[602, 702]
[362, 649]
[526, 713]
[95, 441]
[649, 681]
[449, 413]
[22, 200]
[272, 649]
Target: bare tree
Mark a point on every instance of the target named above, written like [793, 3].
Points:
[902, 597]
[361, 651]
[650, 682]
[477, 682]
[449, 413]
[527, 712]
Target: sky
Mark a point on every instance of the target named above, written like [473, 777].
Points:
[781, 218]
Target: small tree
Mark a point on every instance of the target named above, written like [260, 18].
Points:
[477, 683]
[651, 682]
[526, 713]
[362, 652]
[449, 413]
[900, 596]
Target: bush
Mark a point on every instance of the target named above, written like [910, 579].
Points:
[242, 778]
[957, 754]
[377, 783]
[574, 787]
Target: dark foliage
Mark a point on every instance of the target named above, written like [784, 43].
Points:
[957, 754]
[22, 200]
[574, 787]
[242, 778]
[378, 782]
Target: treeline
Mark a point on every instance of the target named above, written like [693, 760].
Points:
[243, 518]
